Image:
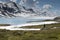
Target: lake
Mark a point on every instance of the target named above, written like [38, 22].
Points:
[17, 20]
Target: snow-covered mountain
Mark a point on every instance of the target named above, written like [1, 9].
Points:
[11, 9]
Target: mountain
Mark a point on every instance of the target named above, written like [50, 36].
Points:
[57, 18]
[11, 9]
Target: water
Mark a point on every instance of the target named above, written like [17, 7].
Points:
[16, 21]
[12, 21]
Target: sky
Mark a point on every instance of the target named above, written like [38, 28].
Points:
[53, 5]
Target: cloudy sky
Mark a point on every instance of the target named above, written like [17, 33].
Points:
[53, 5]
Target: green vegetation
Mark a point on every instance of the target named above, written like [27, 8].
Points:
[53, 34]
[4, 24]
[49, 34]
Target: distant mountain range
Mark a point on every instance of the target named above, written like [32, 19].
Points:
[11, 9]
[57, 19]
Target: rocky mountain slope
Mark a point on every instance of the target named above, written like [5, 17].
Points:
[11, 9]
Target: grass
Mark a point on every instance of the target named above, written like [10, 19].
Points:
[49, 34]
[53, 34]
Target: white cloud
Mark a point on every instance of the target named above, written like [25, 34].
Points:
[45, 11]
[47, 6]
[0, 1]
[22, 2]
[34, 0]
[37, 2]
[13, 0]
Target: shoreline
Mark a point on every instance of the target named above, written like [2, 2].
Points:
[16, 27]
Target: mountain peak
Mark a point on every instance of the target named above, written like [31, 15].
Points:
[11, 9]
